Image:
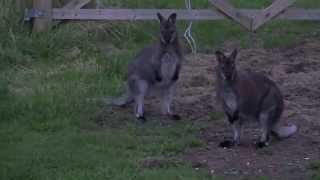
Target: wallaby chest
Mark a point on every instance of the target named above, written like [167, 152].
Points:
[229, 99]
[244, 96]
[168, 66]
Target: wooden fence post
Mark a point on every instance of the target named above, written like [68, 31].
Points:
[270, 12]
[73, 5]
[233, 13]
[91, 4]
[22, 4]
[19, 5]
[43, 23]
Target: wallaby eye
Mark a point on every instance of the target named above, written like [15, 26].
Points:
[164, 31]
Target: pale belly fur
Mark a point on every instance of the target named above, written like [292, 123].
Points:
[168, 68]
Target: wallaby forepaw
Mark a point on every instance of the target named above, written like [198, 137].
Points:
[175, 78]
[141, 119]
[227, 144]
[158, 78]
[175, 117]
[260, 144]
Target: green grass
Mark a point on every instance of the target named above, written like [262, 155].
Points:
[48, 124]
[315, 166]
[70, 153]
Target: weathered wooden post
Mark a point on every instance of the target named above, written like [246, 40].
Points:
[19, 4]
[72, 4]
[91, 4]
[43, 23]
[22, 4]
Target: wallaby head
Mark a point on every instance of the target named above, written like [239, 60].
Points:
[227, 65]
[168, 30]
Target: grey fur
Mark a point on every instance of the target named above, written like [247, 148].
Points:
[249, 95]
[155, 70]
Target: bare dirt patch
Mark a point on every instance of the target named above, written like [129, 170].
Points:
[295, 70]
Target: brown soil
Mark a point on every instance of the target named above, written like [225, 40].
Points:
[297, 72]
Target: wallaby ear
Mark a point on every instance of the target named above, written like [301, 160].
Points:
[234, 54]
[173, 18]
[160, 17]
[220, 56]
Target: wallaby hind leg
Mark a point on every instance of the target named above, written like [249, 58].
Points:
[167, 98]
[266, 122]
[139, 89]
[139, 107]
[237, 131]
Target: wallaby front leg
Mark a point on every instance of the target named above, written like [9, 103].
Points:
[237, 131]
[265, 130]
[236, 128]
[139, 106]
[176, 73]
[158, 75]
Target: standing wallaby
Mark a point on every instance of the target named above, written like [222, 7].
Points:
[155, 69]
[249, 95]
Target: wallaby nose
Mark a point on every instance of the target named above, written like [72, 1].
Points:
[228, 76]
[167, 39]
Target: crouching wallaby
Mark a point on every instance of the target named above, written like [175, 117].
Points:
[155, 69]
[249, 95]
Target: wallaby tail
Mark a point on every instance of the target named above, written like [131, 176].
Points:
[123, 100]
[284, 131]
